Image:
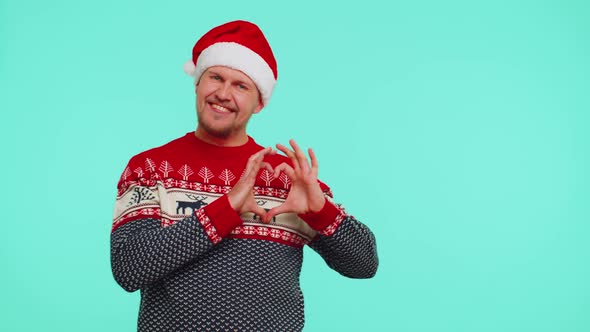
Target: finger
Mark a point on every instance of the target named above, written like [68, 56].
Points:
[286, 168]
[290, 154]
[257, 166]
[256, 209]
[267, 152]
[314, 161]
[253, 166]
[283, 208]
[303, 162]
[247, 169]
[260, 165]
[285, 150]
[259, 160]
[260, 154]
[270, 150]
[267, 166]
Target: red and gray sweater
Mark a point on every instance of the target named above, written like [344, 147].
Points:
[202, 267]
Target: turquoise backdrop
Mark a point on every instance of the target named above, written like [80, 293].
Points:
[458, 131]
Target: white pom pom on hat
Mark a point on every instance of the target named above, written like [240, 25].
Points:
[238, 45]
[189, 68]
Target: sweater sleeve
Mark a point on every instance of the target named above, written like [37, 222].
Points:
[345, 244]
[143, 251]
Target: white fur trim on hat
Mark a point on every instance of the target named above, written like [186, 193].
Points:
[236, 56]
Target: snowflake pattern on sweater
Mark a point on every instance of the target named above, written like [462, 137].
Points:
[202, 267]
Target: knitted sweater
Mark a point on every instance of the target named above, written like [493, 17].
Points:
[202, 267]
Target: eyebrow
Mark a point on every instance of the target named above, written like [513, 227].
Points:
[238, 81]
[214, 73]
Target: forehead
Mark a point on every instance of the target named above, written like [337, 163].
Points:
[229, 73]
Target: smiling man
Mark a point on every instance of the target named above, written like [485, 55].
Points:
[210, 227]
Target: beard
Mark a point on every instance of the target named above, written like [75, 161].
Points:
[221, 126]
[223, 132]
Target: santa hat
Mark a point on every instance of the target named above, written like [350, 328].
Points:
[238, 45]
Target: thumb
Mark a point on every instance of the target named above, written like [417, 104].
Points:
[260, 212]
[283, 208]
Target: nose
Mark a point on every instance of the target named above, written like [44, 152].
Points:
[223, 91]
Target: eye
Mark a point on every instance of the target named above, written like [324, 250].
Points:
[216, 77]
[242, 87]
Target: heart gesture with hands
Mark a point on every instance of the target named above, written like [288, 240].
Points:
[305, 195]
[241, 197]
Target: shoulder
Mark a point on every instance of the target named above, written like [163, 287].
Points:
[146, 162]
[168, 149]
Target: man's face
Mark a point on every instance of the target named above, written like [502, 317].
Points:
[226, 99]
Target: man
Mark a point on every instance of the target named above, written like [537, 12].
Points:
[210, 226]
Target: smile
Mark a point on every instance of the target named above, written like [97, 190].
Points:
[220, 109]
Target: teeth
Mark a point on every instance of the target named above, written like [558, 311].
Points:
[220, 108]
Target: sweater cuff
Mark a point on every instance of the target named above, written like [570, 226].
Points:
[218, 219]
[325, 221]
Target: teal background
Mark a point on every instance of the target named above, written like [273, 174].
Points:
[458, 131]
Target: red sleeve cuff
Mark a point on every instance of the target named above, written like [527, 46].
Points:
[218, 218]
[324, 218]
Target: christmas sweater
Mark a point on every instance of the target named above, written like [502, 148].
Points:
[202, 267]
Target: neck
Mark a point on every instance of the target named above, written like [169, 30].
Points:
[235, 140]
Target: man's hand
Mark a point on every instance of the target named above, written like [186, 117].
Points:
[305, 195]
[241, 197]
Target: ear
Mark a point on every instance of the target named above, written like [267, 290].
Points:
[259, 107]
[260, 104]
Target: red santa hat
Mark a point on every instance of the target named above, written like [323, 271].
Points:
[238, 45]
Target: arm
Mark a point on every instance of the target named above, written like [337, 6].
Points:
[143, 252]
[346, 245]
